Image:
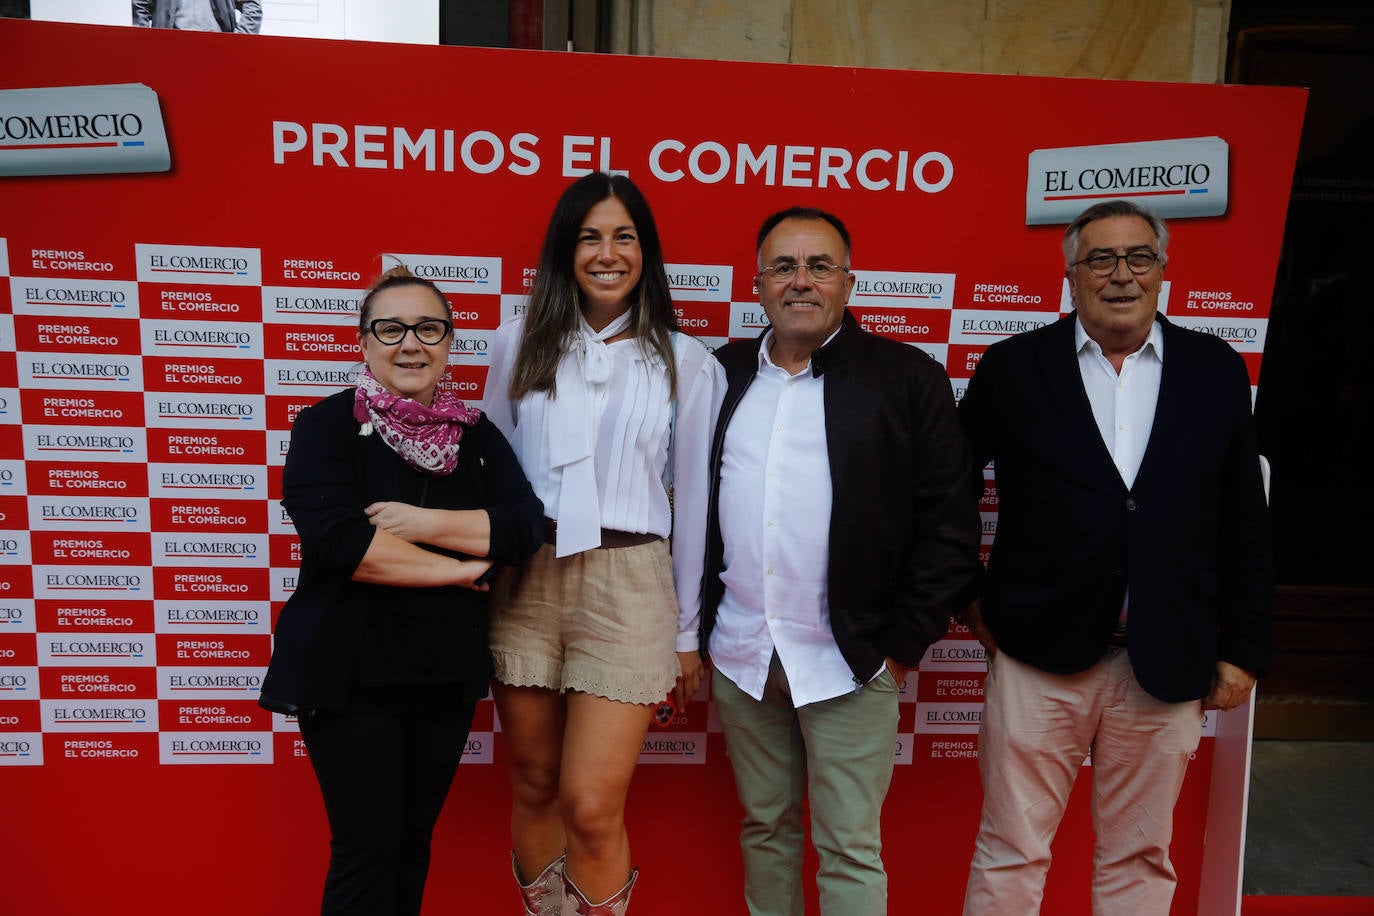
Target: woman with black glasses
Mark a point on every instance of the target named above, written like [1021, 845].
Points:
[403, 498]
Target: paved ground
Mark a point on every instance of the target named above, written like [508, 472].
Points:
[1311, 826]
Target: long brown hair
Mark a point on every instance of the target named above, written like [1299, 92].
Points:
[553, 310]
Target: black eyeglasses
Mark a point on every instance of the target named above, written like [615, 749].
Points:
[389, 331]
[1103, 264]
[820, 271]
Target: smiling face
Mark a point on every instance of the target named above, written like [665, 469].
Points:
[1118, 309]
[607, 262]
[802, 311]
[410, 368]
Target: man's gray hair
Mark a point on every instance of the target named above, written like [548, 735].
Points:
[1114, 208]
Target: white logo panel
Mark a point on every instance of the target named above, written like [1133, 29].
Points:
[699, 282]
[1174, 178]
[83, 130]
[197, 411]
[451, 273]
[309, 305]
[902, 289]
[201, 265]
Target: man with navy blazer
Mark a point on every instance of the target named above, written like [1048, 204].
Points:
[1129, 583]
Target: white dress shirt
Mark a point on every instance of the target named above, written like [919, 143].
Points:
[596, 454]
[775, 496]
[1123, 404]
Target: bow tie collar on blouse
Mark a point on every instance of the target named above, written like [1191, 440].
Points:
[585, 368]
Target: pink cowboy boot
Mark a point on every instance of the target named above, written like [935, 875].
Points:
[544, 895]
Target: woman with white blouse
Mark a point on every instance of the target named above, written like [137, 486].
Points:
[609, 408]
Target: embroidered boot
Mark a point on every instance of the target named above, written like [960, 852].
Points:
[544, 895]
[575, 903]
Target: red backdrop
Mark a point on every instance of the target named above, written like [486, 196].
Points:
[174, 321]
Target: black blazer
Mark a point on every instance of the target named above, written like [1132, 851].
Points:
[1189, 540]
[336, 634]
[903, 518]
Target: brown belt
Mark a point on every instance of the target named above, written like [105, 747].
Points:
[610, 539]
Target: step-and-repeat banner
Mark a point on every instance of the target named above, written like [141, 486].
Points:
[187, 222]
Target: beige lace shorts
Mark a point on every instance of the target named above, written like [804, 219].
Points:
[603, 622]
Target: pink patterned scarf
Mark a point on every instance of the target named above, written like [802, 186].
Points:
[425, 437]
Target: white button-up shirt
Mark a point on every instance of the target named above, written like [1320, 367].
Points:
[1123, 404]
[775, 497]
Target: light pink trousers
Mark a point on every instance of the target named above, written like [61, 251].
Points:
[1037, 730]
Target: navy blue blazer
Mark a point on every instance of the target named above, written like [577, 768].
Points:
[1189, 539]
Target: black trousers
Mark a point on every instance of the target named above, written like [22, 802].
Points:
[384, 766]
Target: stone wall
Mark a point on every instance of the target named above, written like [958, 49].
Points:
[1169, 40]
